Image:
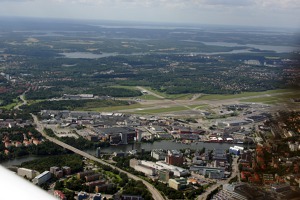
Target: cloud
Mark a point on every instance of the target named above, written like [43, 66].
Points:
[226, 2]
[283, 4]
[266, 4]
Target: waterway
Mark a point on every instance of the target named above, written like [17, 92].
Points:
[18, 161]
[164, 144]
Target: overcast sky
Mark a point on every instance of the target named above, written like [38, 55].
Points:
[274, 13]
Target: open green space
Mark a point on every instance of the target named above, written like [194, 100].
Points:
[274, 99]
[41, 164]
[113, 176]
[203, 106]
[183, 96]
[111, 108]
[148, 97]
[161, 110]
[244, 94]
[11, 105]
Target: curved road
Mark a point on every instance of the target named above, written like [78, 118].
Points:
[155, 193]
[24, 102]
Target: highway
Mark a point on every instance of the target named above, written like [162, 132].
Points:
[39, 126]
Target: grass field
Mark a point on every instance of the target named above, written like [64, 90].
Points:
[161, 110]
[245, 94]
[10, 106]
[111, 108]
[148, 97]
[171, 96]
[282, 98]
[203, 106]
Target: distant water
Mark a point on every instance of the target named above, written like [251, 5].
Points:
[167, 145]
[277, 49]
[89, 55]
[164, 144]
[18, 161]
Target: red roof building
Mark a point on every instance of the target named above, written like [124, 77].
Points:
[59, 195]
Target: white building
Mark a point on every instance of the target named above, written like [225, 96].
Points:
[42, 178]
[252, 62]
[144, 169]
[28, 173]
[152, 168]
[178, 171]
[158, 154]
[294, 146]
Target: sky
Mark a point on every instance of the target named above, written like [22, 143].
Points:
[266, 13]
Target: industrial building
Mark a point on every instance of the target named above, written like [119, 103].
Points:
[158, 166]
[242, 191]
[144, 169]
[174, 157]
[118, 135]
[211, 172]
[178, 183]
[158, 154]
[42, 178]
[234, 151]
[164, 175]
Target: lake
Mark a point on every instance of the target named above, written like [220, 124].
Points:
[89, 55]
[277, 49]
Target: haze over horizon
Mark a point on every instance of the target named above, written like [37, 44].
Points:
[263, 13]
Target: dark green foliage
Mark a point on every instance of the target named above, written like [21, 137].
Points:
[79, 143]
[70, 195]
[71, 105]
[210, 195]
[114, 92]
[137, 188]
[42, 164]
[46, 148]
[192, 194]
[76, 185]
[15, 114]
[59, 185]
[49, 132]
[122, 162]
[232, 180]
[44, 93]
[16, 134]
[169, 192]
